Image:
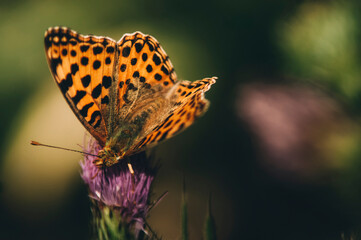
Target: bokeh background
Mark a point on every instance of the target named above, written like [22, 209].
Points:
[279, 148]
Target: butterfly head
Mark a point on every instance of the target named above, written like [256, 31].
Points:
[106, 158]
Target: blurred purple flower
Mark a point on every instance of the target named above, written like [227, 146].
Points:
[299, 131]
[115, 188]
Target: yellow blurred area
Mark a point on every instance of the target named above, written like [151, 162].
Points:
[39, 176]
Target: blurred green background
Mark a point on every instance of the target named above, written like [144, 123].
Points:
[279, 148]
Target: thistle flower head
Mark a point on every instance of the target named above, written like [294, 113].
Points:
[115, 187]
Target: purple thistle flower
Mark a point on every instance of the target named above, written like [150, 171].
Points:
[115, 187]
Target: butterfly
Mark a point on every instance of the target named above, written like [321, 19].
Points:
[125, 93]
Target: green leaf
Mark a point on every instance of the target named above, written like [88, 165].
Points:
[210, 225]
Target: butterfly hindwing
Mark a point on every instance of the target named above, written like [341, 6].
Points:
[188, 106]
[82, 67]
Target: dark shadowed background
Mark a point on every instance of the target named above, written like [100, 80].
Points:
[279, 148]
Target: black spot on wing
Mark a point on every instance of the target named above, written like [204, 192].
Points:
[153, 138]
[66, 83]
[130, 86]
[54, 64]
[107, 81]
[156, 59]
[141, 142]
[97, 50]
[84, 61]
[78, 96]
[105, 100]
[149, 68]
[97, 91]
[165, 70]
[126, 51]
[138, 47]
[136, 74]
[74, 68]
[73, 42]
[133, 61]
[164, 122]
[96, 64]
[97, 124]
[95, 114]
[164, 135]
[110, 49]
[157, 135]
[168, 124]
[158, 77]
[123, 67]
[147, 140]
[84, 110]
[91, 40]
[105, 42]
[182, 113]
[85, 80]
[84, 48]
[151, 47]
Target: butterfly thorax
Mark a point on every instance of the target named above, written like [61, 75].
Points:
[118, 144]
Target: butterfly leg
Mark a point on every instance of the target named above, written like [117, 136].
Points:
[133, 178]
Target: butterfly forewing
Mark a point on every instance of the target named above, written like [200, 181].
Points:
[142, 63]
[82, 67]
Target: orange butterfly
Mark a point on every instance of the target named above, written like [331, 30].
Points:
[125, 93]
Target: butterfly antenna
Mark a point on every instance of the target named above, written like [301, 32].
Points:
[155, 203]
[67, 149]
